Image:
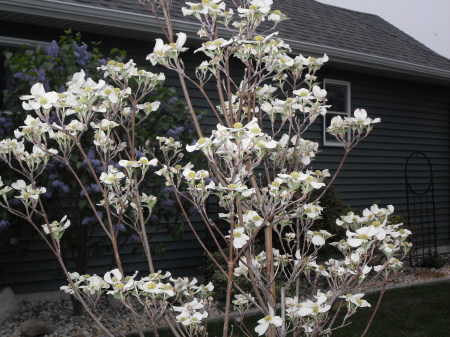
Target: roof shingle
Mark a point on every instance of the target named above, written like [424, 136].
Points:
[324, 25]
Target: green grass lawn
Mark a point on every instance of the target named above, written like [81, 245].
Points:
[414, 312]
[420, 311]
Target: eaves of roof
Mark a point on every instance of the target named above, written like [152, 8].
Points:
[146, 23]
[17, 42]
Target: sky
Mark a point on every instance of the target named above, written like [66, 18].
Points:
[426, 21]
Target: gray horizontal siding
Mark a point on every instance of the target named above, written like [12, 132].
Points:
[32, 271]
[414, 117]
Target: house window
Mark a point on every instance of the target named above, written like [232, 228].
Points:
[338, 95]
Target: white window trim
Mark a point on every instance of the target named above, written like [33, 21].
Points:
[347, 112]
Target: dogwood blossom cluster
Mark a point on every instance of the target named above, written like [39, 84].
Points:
[156, 285]
[120, 72]
[186, 299]
[305, 314]
[373, 226]
[28, 194]
[164, 53]
[236, 142]
[374, 233]
[85, 105]
[359, 125]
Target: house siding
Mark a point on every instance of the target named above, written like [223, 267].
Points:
[415, 117]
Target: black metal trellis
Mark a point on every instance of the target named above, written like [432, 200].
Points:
[420, 207]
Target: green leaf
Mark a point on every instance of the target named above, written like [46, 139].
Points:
[7, 54]
[82, 203]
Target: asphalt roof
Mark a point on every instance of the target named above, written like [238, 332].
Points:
[311, 23]
[321, 24]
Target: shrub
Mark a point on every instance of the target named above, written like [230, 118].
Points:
[261, 122]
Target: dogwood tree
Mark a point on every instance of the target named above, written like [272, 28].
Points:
[257, 164]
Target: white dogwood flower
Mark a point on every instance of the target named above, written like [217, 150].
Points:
[312, 211]
[162, 53]
[242, 301]
[19, 185]
[318, 237]
[149, 107]
[128, 163]
[356, 299]
[200, 144]
[27, 192]
[188, 307]
[114, 276]
[112, 176]
[241, 269]
[57, 227]
[181, 40]
[252, 219]
[319, 93]
[39, 98]
[265, 322]
[94, 285]
[104, 125]
[362, 119]
[239, 237]
[310, 308]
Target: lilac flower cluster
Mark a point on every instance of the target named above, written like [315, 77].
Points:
[193, 210]
[81, 54]
[176, 132]
[21, 76]
[139, 154]
[166, 203]
[92, 188]
[91, 219]
[135, 238]
[120, 227]
[153, 218]
[53, 49]
[54, 170]
[40, 77]
[60, 186]
[168, 189]
[96, 163]
[14, 201]
[4, 224]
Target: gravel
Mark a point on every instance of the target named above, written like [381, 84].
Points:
[413, 276]
[59, 312]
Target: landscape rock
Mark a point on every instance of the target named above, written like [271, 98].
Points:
[8, 304]
[35, 327]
